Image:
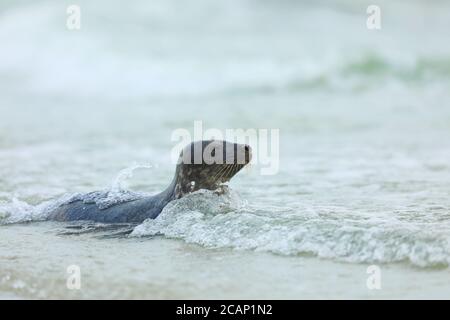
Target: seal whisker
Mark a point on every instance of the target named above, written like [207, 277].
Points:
[229, 170]
[235, 169]
[218, 175]
[222, 172]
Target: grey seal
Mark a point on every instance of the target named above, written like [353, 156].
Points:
[206, 164]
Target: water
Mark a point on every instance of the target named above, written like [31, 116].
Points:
[364, 119]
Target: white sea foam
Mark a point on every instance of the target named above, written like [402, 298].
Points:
[17, 211]
[363, 117]
[210, 220]
[228, 221]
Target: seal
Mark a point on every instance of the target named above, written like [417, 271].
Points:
[206, 164]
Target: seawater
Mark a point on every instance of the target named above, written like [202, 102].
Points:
[364, 119]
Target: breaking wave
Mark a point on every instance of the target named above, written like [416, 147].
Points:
[227, 221]
[213, 221]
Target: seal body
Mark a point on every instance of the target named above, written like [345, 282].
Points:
[130, 211]
[202, 165]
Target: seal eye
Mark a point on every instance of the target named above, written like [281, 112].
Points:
[213, 153]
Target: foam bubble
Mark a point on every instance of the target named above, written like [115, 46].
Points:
[214, 221]
[17, 211]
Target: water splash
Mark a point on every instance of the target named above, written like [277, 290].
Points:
[117, 193]
[118, 183]
[17, 211]
[207, 219]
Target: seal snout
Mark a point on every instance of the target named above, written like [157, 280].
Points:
[248, 153]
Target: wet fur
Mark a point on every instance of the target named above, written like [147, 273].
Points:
[188, 178]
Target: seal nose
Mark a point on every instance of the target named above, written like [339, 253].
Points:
[248, 153]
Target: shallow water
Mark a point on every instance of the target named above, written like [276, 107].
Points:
[364, 121]
[160, 268]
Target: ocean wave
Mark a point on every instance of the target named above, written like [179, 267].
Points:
[173, 63]
[226, 221]
[361, 73]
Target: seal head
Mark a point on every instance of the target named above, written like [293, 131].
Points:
[209, 164]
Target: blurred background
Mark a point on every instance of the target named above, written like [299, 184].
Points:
[364, 117]
[112, 92]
